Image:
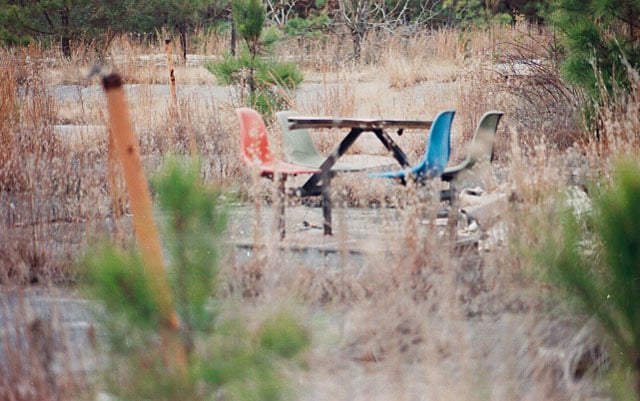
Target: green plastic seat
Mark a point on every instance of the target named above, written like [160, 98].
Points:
[480, 151]
[481, 146]
[299, 149]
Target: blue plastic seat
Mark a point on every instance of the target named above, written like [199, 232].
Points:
[436, 156]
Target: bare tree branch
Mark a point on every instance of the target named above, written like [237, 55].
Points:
[279, 11]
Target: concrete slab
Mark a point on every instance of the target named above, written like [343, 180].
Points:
[358, 232]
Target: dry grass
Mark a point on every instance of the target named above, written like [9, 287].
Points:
[413, 325]
[37, 363]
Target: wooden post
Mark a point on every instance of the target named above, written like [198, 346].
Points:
[172, 77]
[173, 107]
[281, 199]
[116, 189]
[144, 225]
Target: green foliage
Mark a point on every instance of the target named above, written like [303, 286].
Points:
[193, 228]
[141, 374]
[131, 318]
[229, 70]
[474, 13]
[249, 18]
[10, 23]
[182, 16]
[502, 19]
[267, 101]
[219, 27]
[284, 75]
[224, 356]
[97, 22]
[283, 335]
[117, 278]
[597, 261]
[270, 83]
[308, 28]
[65, 22]
[268, 39]
[242, 366]
[599, 37]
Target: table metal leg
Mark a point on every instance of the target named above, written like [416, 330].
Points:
[320, 183]
[398, 154]
[326, 204]
[310, 188]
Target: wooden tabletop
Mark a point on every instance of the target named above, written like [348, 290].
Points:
[363, 123]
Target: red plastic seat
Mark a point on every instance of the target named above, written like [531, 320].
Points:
[254, 146]
[255, 153]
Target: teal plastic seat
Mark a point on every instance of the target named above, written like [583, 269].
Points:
[299, 149]
[436, 156]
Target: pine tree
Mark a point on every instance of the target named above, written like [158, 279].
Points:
[227, 358]
[597, 261]
[253, 68]
[600, 36]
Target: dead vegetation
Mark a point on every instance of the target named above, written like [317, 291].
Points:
[403, 328]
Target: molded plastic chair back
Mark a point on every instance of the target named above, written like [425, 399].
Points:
[437, 154]
[439, 146]
[298, 145]
[300, 149]
[254, 143]
[480, 147]
[483, 140]
[254, 149]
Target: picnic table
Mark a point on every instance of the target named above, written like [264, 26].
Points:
[320, 183]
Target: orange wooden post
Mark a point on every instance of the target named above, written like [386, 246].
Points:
[116, 189]
[142, 208]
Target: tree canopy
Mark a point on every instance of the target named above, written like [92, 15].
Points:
[600, 37]
[600, 42]
[64, 22]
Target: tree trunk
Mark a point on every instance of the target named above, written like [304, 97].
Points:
[65, 44]
[66, 47]
[631, 21]
[183, 41]
[452, 12]
[637, 375]
[233, 39]
[357, 46]
[361, 16]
